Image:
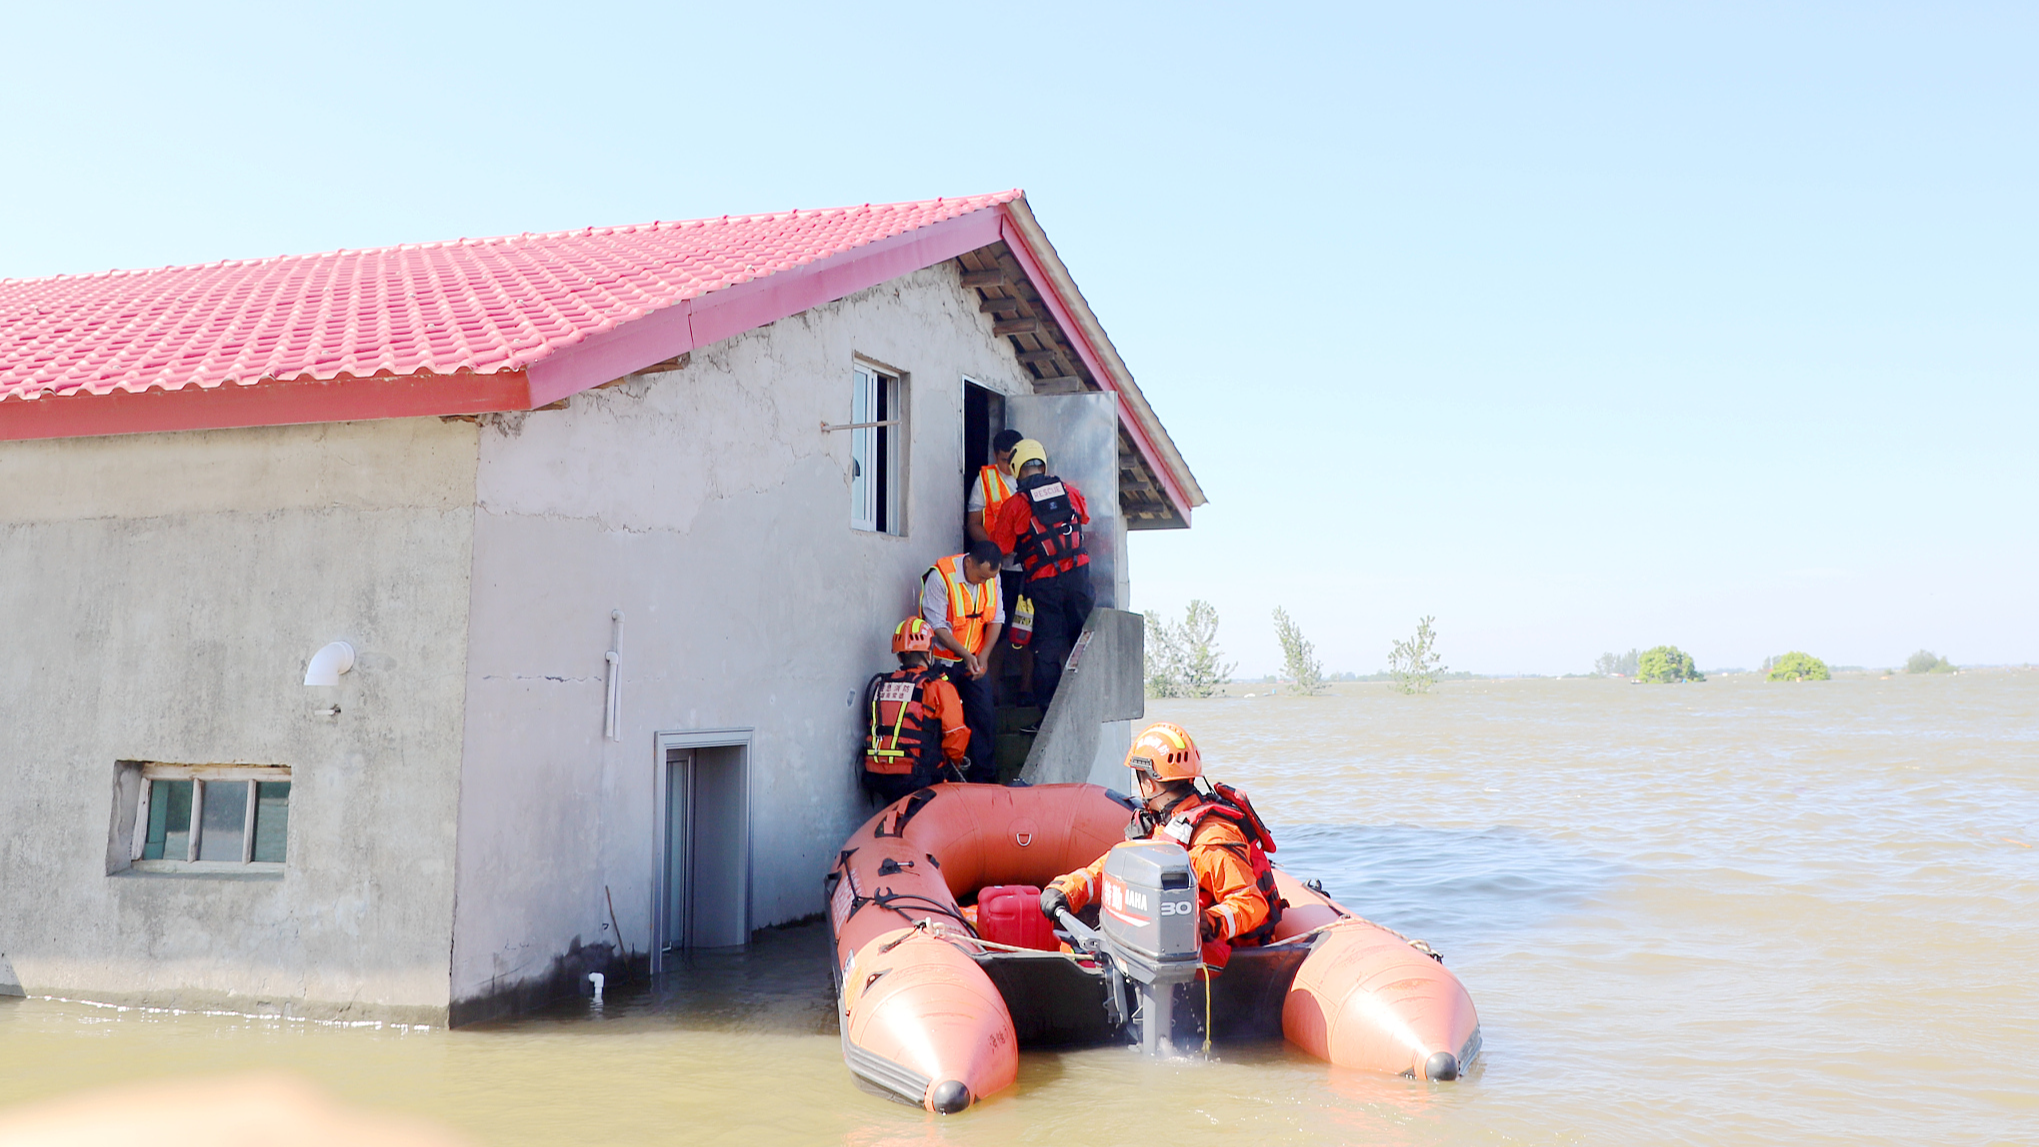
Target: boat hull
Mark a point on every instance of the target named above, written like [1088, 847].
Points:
[935, 1017]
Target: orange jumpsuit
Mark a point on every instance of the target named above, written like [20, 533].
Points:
[1226, 888]
[944, 706]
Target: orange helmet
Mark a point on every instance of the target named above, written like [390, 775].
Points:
[914, 635]
[1165, 752]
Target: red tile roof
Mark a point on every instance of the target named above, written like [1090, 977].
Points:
[474, 306]
[479, 325]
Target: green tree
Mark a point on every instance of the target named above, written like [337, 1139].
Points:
[1927, 662]
[1182, 657]
[1414, 662]
[1617, 665]
[1203, 666]
[1798, 667]
[1299, 658]
[1667, 664]
[1163, 657]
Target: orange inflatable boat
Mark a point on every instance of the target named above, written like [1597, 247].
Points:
[934, 1009]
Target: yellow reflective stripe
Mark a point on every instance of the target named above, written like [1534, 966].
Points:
[969, 606]
[986, 476]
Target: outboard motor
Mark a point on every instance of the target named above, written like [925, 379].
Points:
[1149, 930]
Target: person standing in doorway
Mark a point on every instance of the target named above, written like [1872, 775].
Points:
[994, 484]
[959, 598]
[1042, 525]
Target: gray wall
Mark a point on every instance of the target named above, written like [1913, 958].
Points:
[161, 595]
[708, 506]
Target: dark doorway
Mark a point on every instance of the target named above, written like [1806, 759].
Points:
[983, 418]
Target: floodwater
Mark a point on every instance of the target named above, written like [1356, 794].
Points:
[1733, 912]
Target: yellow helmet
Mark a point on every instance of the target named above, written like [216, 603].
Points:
[1027, 451]
[1165, 752]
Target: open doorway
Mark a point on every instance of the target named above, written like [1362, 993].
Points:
[983, 418]
[703, 898]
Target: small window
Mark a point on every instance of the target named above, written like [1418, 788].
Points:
[211, 818]
[877, 451]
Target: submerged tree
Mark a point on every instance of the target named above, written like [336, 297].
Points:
[1798, 667]
[1413, 662]
[1299, 658]
[1183, 659]
[1617, 665]
[1927, 662]
[1667, 664]
[1164, 658]
[1203, 666]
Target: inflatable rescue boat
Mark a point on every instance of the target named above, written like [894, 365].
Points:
[945, 967]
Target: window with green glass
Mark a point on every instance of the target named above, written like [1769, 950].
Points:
[212, 817]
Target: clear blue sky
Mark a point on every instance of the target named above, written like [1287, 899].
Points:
[1581, 327]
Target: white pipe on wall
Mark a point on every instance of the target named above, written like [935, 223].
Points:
[328, 663]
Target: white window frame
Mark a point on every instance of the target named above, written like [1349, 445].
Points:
[879, 432]
[252, 775]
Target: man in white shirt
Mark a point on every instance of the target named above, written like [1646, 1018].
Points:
[959, 598]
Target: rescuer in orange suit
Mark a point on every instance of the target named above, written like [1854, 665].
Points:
[1227, 842]
[916, 734]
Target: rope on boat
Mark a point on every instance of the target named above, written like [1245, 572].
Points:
[1422, 946]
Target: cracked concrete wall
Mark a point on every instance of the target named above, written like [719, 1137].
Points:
[161, 595]
[708, 506]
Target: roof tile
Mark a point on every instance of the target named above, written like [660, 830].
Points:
[479, 305]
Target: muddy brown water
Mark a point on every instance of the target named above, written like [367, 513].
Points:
[1734, 913]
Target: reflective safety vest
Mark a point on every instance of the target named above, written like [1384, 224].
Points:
[903, 737]
[1053, 543]
[971, 607]
[997, 487]
[1228, 803]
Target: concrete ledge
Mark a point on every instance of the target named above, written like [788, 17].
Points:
[1103, 683]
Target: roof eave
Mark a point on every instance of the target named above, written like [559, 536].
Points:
[1053, 279]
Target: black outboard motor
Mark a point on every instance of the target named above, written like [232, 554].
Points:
[1148, 930]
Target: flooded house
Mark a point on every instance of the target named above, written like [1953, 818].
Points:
[405, 633]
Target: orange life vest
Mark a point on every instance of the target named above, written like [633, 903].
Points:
[1228, 803]
[1053, 542]
[903, 737]
[971, 607]
[997, 487]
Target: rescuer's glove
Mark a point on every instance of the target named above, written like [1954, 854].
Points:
[1053, 900]
[1211, 929]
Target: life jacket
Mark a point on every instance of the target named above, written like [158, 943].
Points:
[997, 487]
[1020, 626]
[1053, 543]
[904, 737]
[971, 607]
[1228, 803]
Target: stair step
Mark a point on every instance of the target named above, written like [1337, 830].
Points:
[1014, 718]
[1010, 750]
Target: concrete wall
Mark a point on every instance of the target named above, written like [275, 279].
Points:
[161, 595]
[707, 505]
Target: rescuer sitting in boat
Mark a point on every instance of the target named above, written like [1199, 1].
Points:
[1227, 843]
[916, 735]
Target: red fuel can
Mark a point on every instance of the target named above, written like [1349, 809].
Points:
[1011, 914]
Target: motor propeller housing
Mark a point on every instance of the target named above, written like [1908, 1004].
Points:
[1148, 918]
